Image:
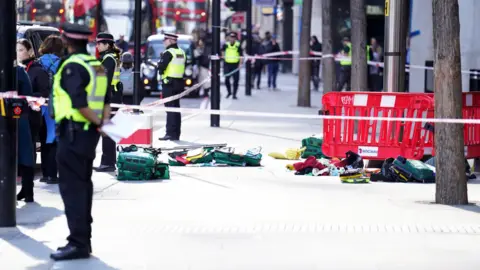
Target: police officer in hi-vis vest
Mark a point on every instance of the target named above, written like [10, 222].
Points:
[171, 67]
[231, 54]
[346, 65]
[110, 58]
[80, 107]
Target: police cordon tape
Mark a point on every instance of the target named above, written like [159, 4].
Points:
[299, 116]
[152, 107]
[319, 56]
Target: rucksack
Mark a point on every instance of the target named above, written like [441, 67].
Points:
[126, 78]
[51, 74]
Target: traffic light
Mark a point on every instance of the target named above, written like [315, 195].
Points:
[237, 5]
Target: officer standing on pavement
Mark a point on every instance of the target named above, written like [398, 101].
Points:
[172, 67]
[80, 107]
[110, 58]
[232, 52]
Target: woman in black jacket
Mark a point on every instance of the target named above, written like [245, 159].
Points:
[315, 46]
[40, 83]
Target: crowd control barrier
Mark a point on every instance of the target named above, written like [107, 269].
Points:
[377, 139]
[381, 139]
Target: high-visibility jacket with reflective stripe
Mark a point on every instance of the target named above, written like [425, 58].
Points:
[96, 90]
[116, 73]
[348, 62]
[232, 55]
[176, 67]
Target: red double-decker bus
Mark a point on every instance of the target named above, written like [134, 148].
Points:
[184, 16]
[115, 16]
[48, 12]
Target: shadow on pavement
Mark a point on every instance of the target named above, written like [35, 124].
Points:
[472, 207]
[34, 216]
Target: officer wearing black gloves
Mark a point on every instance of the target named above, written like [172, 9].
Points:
[80, 107]
[172, 67]
[110, 58]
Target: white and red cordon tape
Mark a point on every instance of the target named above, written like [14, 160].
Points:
[36, 102]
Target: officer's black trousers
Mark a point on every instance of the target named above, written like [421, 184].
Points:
[109, 150]
[76, 189]
[345, 78]
[228, 68]
[174, 119]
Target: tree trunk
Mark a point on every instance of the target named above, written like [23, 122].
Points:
[328, 62]
[305, 74]
[359, 45]
[451, 182]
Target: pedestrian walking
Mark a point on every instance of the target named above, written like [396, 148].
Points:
[81, 106]
[51, 51]
[110, 57]
[232, 51]
[273, 65]
[171, 67]
[202, 57]
[316, 46]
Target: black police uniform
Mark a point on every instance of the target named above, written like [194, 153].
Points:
[75, 156]
[173, 87]
[228, 68]
[109, 147]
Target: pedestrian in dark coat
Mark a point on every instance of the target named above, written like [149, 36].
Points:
[26, 161]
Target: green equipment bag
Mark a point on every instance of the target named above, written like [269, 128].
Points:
[140, 164]
[253, 157]
[413, 170]
[313, 147]
[228, 156]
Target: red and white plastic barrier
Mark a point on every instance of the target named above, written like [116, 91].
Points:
[144, 135]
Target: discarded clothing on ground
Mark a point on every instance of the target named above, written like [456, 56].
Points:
[140, 164]
[311, 146]
[290, 154]
[468, 169]
[349, 169]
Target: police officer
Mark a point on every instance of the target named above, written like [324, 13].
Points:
[345, 66]
[80, 107]
[172, 67]
[110, 56]
[232, 52]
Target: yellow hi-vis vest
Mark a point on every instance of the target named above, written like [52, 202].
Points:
[116, 73]
[348, 62]
[232, 55]
[176, 67]
[96, 90]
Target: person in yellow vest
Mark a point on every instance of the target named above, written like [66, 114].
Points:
[171, 67]
[110, 58]
[346, 64]
[232, 51]
[80, 108]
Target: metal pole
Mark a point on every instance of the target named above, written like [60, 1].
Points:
[287, 33]
[8, 127]
[394, 46]
[215, 97]
[248, 78]
[137, 53]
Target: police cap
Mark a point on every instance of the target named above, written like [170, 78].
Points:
[170, 36]
[233, 34]
[105, 37]
[76, 31]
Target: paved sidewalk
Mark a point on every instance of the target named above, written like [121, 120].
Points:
[253, 218]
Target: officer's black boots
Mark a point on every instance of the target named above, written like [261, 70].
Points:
[25, 194]
[70, 252]
[105, 168]
[169, 138]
